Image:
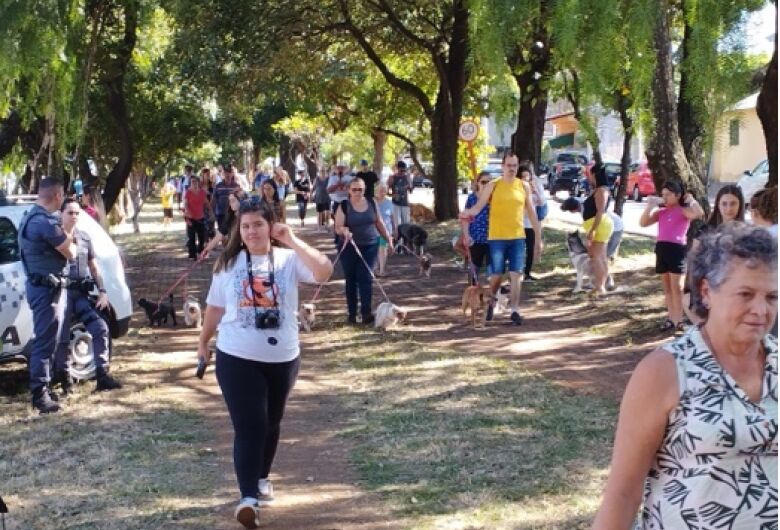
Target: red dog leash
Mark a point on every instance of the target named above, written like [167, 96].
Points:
[180, 279]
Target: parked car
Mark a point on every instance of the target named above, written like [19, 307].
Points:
[420, 182]
[15, 315]
[754, 180]
[640, 181]
[613, 174]
[567, 177]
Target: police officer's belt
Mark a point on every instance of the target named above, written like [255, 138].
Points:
[48, 280]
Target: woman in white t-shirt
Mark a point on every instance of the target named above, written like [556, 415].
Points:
[253, 302]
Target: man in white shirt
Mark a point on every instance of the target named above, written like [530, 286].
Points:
[338, 185]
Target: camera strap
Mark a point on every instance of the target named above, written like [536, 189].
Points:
[271, 279]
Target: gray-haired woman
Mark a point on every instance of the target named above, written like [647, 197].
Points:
[698, 425]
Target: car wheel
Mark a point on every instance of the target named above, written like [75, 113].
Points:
[636, 195]
[81, 354]
[81, 358]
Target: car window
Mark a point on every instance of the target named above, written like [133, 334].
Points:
[566, 159]
[9, 245]
[582, 160]
[763, 167]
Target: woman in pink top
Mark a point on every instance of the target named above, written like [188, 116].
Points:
[673, 211]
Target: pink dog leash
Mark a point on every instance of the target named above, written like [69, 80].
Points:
[373, 277]
[319, 287]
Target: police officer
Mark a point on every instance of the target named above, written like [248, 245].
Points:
[83, 275]
[45, 249]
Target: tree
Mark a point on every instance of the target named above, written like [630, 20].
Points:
[440, 30]
[767, 112]
[665, 154]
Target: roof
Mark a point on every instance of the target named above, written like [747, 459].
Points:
[748, 103]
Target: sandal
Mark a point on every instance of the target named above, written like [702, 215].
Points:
[679, 329]
[667, 325]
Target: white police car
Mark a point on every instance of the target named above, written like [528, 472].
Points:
[16, 324]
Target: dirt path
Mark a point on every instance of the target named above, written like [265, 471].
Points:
[565, 337]
[314, 481]
[580, 344]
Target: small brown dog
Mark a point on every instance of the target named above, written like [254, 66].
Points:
[475, 298]
[426, 261]
[421, 214]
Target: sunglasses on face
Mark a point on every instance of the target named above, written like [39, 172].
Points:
[483, 182]
[355, 190]
[72, 213]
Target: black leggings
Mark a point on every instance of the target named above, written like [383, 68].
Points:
[255, 394]
[530, 241]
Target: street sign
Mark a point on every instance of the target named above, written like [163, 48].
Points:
[468, 131]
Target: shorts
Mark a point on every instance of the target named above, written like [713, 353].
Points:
[669, 258]
[167, 213]
[503, 250]
[614, 243]
[602, 232]
[541, 212]
[382, 242]
[323, 207]
[480, 255]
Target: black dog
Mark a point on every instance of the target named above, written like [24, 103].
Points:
[412, 237]
[158, 313]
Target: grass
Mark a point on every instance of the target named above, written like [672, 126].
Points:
[138, 458]
[453, 440]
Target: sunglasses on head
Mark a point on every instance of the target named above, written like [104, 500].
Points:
[250, 203]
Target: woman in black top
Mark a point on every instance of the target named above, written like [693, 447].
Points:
[302, 189]
[598, 227]
[358, 219]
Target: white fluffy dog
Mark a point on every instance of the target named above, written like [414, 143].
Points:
[578, 253]
[388, 315]
[193, 316]
[307, 315]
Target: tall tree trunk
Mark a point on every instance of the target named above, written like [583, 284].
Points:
[286, 152]
[622, 104]
[444, 141]
[767, 112]
[689, 120]
[118, 175]
[665, 154]
[380, 139]
[113, 82]
[574, 95]
[532, 76]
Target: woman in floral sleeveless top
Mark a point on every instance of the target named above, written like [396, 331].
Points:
[696, 442]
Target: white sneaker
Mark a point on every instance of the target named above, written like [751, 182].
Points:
[266, 490]
[248, 512]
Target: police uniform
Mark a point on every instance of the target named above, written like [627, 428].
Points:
[39, 235]
[79, 305]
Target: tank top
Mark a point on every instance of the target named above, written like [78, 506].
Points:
[717, 464]
[362, 224]
[673, 225]
[589, 209]
[507, 208]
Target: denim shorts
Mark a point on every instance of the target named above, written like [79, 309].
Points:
[503, 250]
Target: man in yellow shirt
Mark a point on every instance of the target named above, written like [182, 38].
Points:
[509, 199]
[167, 194]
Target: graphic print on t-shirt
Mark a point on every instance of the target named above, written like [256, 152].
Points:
[265, 293]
